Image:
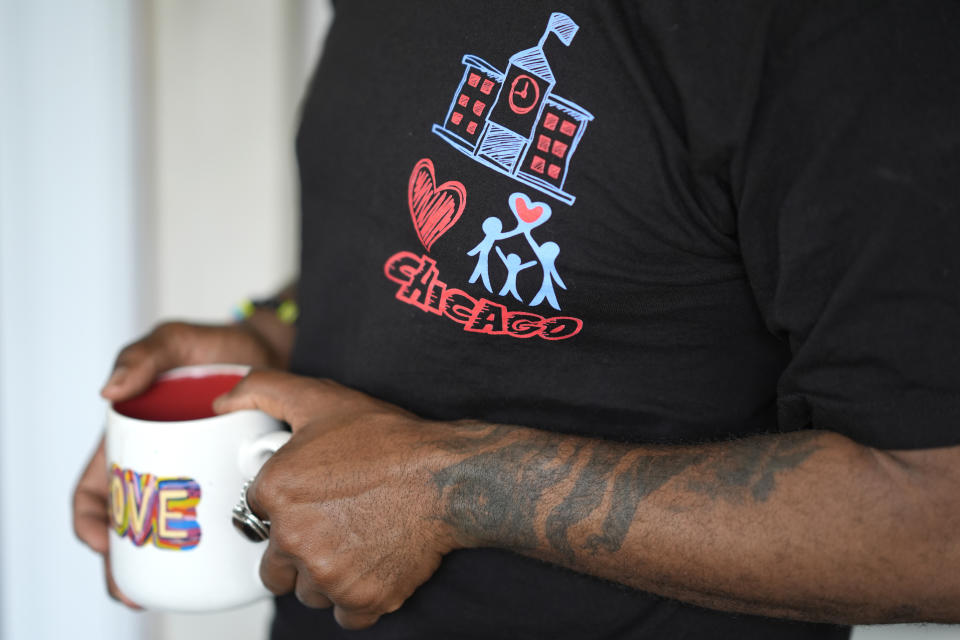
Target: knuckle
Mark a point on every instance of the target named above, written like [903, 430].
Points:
[254, 382]
[168, 335]
[279, 482]
[321, 570]
[268, 489]
[169, 328]
[363, 597]
[286, 539]
[274, 585]
[133, 352]
[173, 334]
[311, 597]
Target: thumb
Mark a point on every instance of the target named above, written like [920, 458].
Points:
[113, 589]
[129, 380]
[139, 363]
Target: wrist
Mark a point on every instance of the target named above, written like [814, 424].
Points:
[439, 452]
[475, 479]
[271, 335]
[271, 322]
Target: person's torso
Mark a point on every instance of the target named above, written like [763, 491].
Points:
[519, 213]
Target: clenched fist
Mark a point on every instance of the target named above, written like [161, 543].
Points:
[354, 514]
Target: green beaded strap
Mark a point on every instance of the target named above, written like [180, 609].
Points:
[287, 310]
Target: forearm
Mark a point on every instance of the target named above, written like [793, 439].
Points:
[806, 525]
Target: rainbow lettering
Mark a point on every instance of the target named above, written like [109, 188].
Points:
[146, 509]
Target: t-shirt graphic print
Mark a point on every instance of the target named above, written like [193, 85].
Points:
[513, 123]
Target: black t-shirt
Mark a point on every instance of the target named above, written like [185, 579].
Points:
[639, 220]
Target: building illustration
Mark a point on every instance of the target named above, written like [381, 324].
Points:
[512, 122]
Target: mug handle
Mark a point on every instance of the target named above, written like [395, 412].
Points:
[255, 453]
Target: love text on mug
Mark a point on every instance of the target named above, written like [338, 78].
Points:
[148, 509]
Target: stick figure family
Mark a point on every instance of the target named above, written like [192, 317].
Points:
[529, 215]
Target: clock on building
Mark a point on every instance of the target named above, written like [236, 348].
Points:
[520, 100]
[524, 94]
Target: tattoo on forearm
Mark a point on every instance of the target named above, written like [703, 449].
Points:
[583, 499]
[493, 493]
[645, 475]
[749, 467]
[474, 436]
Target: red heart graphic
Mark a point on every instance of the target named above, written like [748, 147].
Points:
[526, 214]
[433, 209]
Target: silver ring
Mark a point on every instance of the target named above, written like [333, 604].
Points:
[246, 521]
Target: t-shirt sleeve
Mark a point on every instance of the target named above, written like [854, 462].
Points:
[847, 188]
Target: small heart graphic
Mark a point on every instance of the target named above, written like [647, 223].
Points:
[527, 214]
[433, 209]
[531, 214]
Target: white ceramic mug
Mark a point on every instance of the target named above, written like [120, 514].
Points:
[176, 471]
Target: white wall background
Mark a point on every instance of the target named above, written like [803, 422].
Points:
[226, 81]
[68, 233]
[146, 172]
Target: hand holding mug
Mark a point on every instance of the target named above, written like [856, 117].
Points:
[176, 471]
[356, 519]
[178, 344]
[168, 346]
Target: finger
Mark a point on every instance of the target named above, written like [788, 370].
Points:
[139, 363]
[349, 619]
[135, 369]
[258, 498]
[91, 520]
[91, 517]
[276, 393]
[308, 592]
[255, 501]
[112, 588]
[278, 572]
[94, 477]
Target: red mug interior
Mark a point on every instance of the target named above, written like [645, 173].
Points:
[179, 398]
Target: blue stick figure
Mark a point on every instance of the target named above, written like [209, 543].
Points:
[492, 229]
[547, 254]
[512, 262]
[529, 215]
